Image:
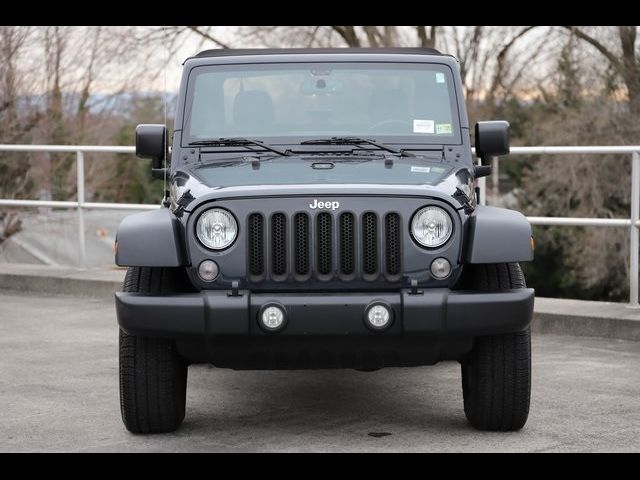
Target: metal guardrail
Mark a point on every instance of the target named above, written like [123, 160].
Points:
[632, 223]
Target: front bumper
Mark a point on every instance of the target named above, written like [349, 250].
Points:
[225, 325]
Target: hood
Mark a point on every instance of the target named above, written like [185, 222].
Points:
[315, 176]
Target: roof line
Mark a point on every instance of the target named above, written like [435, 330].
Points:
[222, 52]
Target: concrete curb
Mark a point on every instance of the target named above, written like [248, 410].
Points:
[586, 318]
[61, 281]
[551, 315]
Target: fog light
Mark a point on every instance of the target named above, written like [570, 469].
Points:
[440, 268]
[208, 270]
[272, 318]
[378, 317]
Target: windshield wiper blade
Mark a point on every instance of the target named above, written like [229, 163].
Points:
[232, 142]
[357, 141]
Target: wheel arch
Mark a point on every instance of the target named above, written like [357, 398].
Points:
[150, 239]
[498, 235]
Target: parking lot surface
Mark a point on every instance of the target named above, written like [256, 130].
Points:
[59, 392]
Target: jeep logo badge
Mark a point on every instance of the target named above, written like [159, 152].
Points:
[327, 205]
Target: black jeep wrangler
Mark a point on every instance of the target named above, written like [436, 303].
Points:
[322, 212]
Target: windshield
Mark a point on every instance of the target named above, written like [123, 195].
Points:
[291, 102]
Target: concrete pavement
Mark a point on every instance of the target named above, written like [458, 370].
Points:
[59, 392]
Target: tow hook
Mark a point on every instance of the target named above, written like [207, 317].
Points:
[414, 288]
[235, 289]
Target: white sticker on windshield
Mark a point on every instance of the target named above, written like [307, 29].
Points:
[439, 77]
[423, 126]
[415, 169]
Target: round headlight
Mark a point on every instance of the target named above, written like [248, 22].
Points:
[431, 226]
[216, 229]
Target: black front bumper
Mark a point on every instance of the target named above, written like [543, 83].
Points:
[325, 330]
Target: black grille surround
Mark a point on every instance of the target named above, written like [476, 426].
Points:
[250, 261]
[325, 246]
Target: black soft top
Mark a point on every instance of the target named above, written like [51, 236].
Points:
[227, 52]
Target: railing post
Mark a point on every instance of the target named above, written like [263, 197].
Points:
[482, 183]
[495, 179]
[634, 233]
[80, 190]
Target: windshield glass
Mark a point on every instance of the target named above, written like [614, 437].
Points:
[291, 102]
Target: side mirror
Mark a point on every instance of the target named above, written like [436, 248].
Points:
[151, 142]
[492, 139]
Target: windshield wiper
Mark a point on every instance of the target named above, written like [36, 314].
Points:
[357, 141]
[238, 142]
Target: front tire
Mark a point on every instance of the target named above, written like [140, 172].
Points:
[496, 376]
[153, 375]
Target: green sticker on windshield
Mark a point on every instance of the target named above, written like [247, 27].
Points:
[443, 128]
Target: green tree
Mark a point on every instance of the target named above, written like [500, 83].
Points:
[128, 179]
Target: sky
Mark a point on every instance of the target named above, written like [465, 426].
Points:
[165, 72]
[173, 64]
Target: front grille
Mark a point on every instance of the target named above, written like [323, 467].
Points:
[324, 246]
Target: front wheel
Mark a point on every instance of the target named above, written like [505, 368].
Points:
[496, 376]
[153, 375]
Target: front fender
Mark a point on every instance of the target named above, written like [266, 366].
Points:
[150, 239]
[498, 235]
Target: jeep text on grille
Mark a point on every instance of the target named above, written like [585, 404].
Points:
[331, 205]
[321, 212]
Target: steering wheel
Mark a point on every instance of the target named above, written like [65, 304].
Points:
[392, 125]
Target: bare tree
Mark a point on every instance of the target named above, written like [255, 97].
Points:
[623, 58]
[310, 36]
[14, 175]
[49, 80]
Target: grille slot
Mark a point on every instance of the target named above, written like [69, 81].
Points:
[279, 244]
[301, 243]
[370, 243]
[347, 244]
[324, 234]
[256, 244]
[392, 244]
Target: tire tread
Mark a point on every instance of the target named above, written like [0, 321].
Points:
[496, 377]
[153, 375]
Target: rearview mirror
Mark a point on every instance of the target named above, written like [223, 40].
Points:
[151, 142]
[492, 139]
[321, 86]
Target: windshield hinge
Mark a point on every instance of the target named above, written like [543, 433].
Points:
[184, 200]
[452, 153]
